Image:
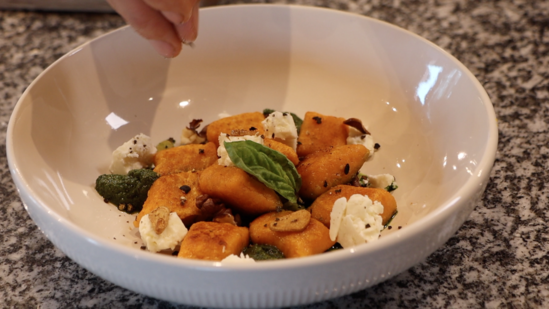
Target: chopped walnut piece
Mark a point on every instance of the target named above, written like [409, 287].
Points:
[295, 222]
[159, 219]
[357, 124]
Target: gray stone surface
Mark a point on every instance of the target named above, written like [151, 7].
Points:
[498, 259]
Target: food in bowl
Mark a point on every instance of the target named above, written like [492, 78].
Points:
[254, 186]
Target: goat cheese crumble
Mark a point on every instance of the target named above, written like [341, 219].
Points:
[358, 138]
[281, 127]
[381, 181]
[134, 154]
[168, 239]
[235, 259]
[222, 153]
[355, 221]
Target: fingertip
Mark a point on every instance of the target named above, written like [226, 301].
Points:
[165, 49]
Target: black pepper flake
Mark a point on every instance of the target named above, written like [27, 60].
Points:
[175, 253]
[389, 227]
[299, 143]
[265, 225]
[368, 225]
[399, 227]
[377, 146]
[134, 141]
[325, 183]
[338, 191]
[253, 128]
[285, 114]
[262, 136]
[219, 157]
[273, 136]
[274, 224]
[200, 150]
[277, 219]
[106, 201]
[317, 119]
[143, 248]
[347, 167]
[135, 242]
[185, 189]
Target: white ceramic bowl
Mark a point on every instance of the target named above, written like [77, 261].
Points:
[434, 121]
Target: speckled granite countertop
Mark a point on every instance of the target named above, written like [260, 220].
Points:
[498, 259]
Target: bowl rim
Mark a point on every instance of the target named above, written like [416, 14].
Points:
[446, 208]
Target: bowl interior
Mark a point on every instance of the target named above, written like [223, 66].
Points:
[431, 117]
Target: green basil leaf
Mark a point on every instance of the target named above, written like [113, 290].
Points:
[269, 166]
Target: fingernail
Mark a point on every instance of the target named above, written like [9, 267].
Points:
[163, 48]
[173, 17]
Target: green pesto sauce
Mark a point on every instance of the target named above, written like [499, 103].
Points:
[127, 192]
[263, 252]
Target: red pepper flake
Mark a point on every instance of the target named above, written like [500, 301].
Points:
[185, 189]
[325, 183]
[317, 119]
[347, 167]
[200, 150]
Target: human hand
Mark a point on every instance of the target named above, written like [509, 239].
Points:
[165, 23]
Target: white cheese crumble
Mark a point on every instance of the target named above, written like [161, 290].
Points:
[190, 137]
[223, 114]
[134, 154]
[381, 181]
[222, 153]
[281, 127]
[358, 138]
[168, 239]
[355, 221]
[235, 259]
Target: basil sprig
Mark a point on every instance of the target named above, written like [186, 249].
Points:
[269, 166]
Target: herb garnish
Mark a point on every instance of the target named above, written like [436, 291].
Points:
[269, 166]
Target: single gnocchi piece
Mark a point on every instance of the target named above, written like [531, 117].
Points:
[324, 169]
[322, 206]
[243, 192]
[320, 132]
[185, 158]
[178, 193]
[246, 122]
[282, 148]
[313, 239]
[213, 241]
